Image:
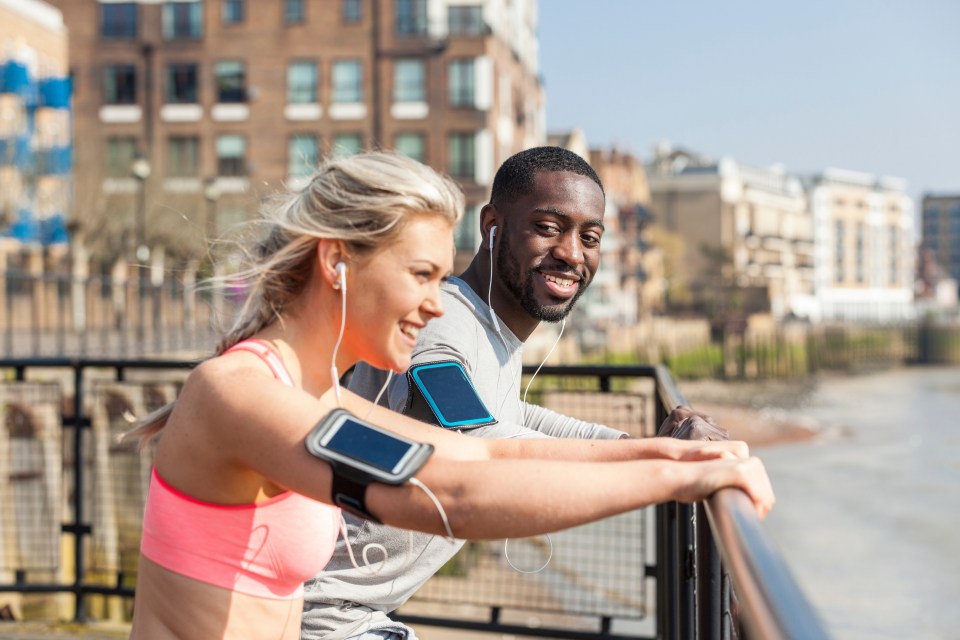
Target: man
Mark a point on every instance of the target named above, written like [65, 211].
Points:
[541, 248]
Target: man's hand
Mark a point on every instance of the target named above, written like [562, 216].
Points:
[687, 424]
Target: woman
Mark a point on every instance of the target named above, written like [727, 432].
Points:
[238, 513]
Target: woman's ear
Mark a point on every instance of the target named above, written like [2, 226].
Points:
[331, 261]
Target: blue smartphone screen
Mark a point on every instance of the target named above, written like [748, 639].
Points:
[362, 443]
[449, 391]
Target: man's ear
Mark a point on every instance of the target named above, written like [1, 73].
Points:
[330, 252]
[489, 219]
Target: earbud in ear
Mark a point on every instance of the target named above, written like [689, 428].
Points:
[341, 268]
[493, 231]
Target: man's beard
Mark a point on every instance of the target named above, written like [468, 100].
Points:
[509, 269]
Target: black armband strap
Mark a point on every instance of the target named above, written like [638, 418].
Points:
[350, 495]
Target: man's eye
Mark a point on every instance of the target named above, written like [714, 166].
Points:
[548, 229]
[590, 240]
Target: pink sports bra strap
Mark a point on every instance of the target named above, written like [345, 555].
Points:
[269, 355]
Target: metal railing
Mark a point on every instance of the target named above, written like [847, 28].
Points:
[713, 570]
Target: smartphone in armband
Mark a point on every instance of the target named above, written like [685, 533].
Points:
[360, 453]
[441, 393]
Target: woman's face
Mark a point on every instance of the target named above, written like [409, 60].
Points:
[395, 290]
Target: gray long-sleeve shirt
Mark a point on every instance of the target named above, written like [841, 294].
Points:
[343, 601]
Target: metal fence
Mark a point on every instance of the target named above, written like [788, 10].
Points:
[71, 502]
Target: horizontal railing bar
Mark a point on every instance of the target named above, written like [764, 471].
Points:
[773, 605]
[513, 629]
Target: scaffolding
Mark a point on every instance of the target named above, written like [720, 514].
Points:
[36, 154]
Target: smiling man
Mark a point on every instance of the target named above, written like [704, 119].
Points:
[541, 234]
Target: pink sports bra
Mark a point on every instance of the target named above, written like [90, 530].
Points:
[266, 549]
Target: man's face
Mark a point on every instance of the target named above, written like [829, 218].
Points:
[549, 247]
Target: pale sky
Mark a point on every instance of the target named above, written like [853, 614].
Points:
[865, 85]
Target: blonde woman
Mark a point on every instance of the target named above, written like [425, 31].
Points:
[239, 512]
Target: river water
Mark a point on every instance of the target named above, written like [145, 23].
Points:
[868, 515]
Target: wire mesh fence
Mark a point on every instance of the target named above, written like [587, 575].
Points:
[596, 571]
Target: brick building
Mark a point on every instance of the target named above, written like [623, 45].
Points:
[228, 100]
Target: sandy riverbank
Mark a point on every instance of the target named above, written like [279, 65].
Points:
[760, 413]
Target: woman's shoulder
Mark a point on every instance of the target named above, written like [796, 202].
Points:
[226, 373]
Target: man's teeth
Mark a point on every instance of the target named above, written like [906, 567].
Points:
[563, 282]
[410, 330]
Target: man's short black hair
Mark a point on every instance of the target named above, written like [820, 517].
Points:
[515, 176]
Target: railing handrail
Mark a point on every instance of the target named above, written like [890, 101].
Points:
[773, 604]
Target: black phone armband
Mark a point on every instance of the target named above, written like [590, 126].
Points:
[441, 393]
[360, 453]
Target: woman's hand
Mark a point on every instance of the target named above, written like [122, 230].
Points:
[747, 474]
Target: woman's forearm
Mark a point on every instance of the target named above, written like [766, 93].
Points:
[511, 498]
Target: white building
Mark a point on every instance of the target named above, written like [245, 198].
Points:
[864, 243]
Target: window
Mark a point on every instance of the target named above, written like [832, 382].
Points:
[466, 20]
[859, 251]
[302, 83]
[461, 82]
[465, 235]
[462, 156]
[119, 84]
[231, 81]
[183, 20]
[293, 11]
[347, 81]
[232, 11]
[346, 144]
[352, 11]
[181, 83]
[302, 155]
[894, 256]
[838, 247]
[231, 155]
[120, 154]
[409, 81]
[183, 156]
[412, 145]
[411, 17]
[118, 20]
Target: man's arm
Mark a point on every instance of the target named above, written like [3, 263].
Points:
[558, 425]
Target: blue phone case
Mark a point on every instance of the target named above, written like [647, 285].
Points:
[442, 393]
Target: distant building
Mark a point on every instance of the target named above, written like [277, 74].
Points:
[864, 235]
[636, 280]
[35, 114]
[230, 100]
[935, 289]
[747, 233]
[941, 231]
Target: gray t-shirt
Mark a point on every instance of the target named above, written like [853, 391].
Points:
[342, 601]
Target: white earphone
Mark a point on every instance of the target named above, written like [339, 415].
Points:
[493, 314]
[340, 284]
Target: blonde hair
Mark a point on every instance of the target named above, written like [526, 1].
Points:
[363, 200]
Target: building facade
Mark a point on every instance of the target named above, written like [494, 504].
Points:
[941, 231]
[865, 254]
[35, 121]
[219, 103]
[747, 233]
